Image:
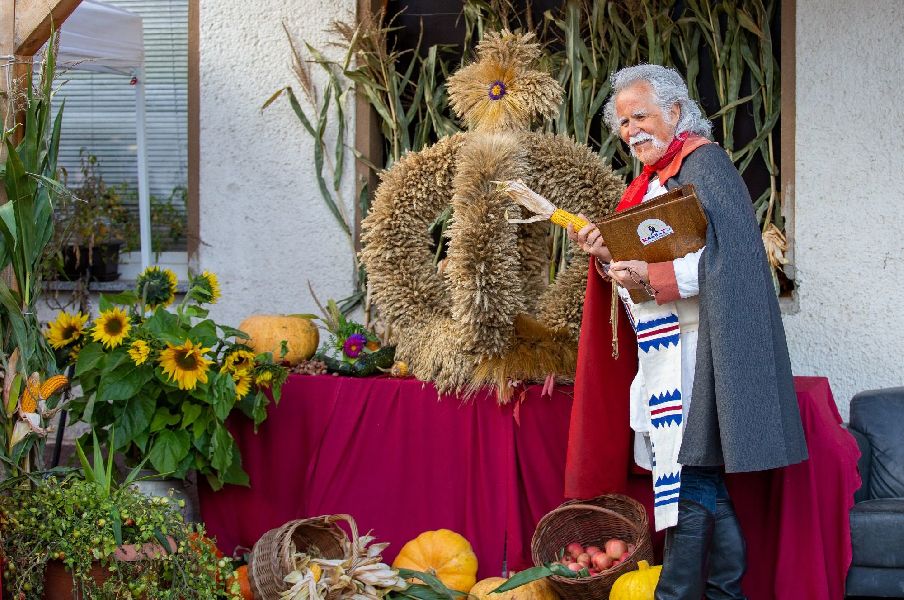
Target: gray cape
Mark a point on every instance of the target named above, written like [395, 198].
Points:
[744, 412]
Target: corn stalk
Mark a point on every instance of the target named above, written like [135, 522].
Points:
[29, 177]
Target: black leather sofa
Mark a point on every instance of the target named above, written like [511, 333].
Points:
[877, 519]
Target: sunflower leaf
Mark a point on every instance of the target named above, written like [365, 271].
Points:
[168, 450]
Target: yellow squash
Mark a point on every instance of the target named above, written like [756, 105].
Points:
[442, 553]
[269, 331]
[637, 585]
[535, 590]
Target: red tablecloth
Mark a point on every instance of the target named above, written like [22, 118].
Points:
[402, 461]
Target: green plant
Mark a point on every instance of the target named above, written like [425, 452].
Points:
[30, 181]
[83, 521]
[168, 379]
[95, 212]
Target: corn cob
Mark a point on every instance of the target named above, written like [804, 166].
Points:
[564, 218]
[44, 391]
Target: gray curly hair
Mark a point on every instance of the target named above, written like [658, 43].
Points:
[668, 88]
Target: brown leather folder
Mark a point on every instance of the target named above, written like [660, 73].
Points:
[662, 229]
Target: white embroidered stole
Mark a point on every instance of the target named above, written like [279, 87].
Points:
[659, 357]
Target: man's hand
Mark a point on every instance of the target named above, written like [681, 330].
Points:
[590, 240]
[629, 272]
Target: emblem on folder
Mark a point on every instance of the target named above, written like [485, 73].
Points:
[651, 230]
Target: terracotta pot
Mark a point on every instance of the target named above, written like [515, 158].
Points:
[58, 581]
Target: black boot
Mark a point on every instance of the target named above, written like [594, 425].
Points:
[687, 547]
[728, 559]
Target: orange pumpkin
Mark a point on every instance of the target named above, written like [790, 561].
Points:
[268, 332]
[444, 554]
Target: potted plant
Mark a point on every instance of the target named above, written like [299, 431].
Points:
[79, 535]
[93, 223]
[168, 378]
[29, 177]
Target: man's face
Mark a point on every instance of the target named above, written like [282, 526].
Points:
[642, 124]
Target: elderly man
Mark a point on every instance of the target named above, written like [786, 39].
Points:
[713, 391]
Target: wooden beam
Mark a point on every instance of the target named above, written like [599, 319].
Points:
[33, 21]
[368, 139]
[7, 49]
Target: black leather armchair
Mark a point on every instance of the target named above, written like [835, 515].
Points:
[877, 519]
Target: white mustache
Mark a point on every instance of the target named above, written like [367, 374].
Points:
[640, 137]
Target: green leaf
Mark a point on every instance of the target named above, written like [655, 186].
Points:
[235, 474]
[86, 466]
[116, 521]
[127, 298]
[190, 412]
[163, 418]
[233, 332]
[204, 332]
[432, 582]
[221, 444]
[88, 358]
[523, 577]
[169, 449]
[124, 382]
[134, 418]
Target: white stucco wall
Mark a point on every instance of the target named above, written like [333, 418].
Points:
[849, 199]
[264, 227]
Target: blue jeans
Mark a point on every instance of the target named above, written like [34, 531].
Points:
[703, 485]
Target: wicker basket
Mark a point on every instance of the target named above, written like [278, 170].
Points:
[592, 521]
[271, 557]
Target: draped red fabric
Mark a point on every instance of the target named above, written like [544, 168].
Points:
[600, 440]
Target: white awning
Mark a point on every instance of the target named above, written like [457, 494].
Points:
[100, 37]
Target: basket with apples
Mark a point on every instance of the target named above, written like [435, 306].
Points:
[599, 539]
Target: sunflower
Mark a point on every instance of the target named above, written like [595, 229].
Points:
[238, 362]
[185, 364]
[157, 286]
[66, 329]
[111, 327]
[264, 378]
[139, 352]
[205, 288]
[242, 384]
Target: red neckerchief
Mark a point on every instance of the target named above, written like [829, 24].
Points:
[637, 189]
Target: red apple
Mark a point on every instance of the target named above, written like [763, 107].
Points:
[576, 567]
[615, 548]
[594, 572]
[591, 550]
[601, 561]
[631, 548]
[624, 556]
[615, 563]
[584, 559]
[574, 549]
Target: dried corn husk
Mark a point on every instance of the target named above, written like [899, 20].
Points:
[359, 575]
[776, 245]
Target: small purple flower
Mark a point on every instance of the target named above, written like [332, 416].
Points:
[354, 345]
[497, 90]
